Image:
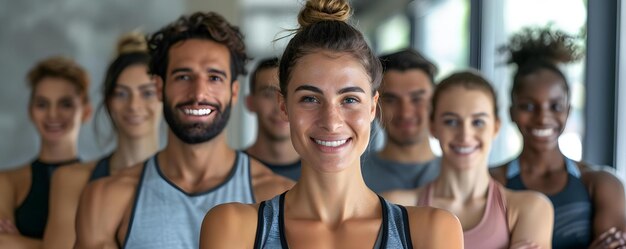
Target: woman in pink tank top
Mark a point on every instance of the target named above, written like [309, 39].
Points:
[464, 120]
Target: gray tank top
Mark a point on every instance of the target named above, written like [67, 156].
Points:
[164, 216]
[270, 233]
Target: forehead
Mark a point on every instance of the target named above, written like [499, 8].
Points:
[194, 53]
[395, 80]
[329, 71]
[54, 87]
[542, 84]
[464, 101]
[266, 76]
[134, 73]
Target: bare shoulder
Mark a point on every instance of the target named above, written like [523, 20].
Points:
[526, 198]
[499, 173]
[526, 204]
[403, 197]
[103, 206]
[267, 184]
[595, 175]
[16, 174]
[75, 174]
[231, 225]
[434, 228]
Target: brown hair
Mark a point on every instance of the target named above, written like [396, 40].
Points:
[210, 26]
[323, 26]
[471, 80]
[63, 68]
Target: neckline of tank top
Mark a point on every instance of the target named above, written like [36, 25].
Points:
[294, 164]
[283, 234]
[55, 164]
[513, 168]
[231, 174]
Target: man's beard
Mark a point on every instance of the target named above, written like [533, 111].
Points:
[195, 133]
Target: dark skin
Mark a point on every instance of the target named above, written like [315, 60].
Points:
[540, 110]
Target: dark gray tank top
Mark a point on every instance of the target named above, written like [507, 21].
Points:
[573, 210]
[164, 216]
[270, 233]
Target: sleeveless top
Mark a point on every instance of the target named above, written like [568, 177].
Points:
[572, 207]
[383, 175]
[492, 230]
[270, 233]
[101, 170]
[32, 215]
[291, 171]
[164, 216]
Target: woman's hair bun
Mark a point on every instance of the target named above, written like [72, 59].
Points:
[543, 43]
[315, 11]
[132, 42]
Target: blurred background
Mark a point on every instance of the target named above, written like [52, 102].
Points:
[455, 34]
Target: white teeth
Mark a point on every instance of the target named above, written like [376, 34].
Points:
[197, 112]
[331, 143]
[464, 150]
[542, 132]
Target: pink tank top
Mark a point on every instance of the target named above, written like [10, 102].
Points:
[492, 232]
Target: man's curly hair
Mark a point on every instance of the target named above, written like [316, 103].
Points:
[199, 25]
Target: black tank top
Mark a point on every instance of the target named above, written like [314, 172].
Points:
[31, 216]
[101, 170]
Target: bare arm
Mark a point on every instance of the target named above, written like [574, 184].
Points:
[7, 199]
[533, 218]
[230, 225]
[66, 187]
[95, 225]
[607, 194]
[16, 241]
[434, 228]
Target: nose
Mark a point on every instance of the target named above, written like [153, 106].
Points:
[543, 115]
[200, 88]
[135, 102]
[330, 118]
[466, 132]
[406, 109]
[52, 112]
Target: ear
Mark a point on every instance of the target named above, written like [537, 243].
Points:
[87, 111]
[497, 126]
[282, 106]
[374, 106]
[159, 87]
[249, 103]
[234, 88]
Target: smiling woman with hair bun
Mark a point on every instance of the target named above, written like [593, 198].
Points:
[328, 80]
